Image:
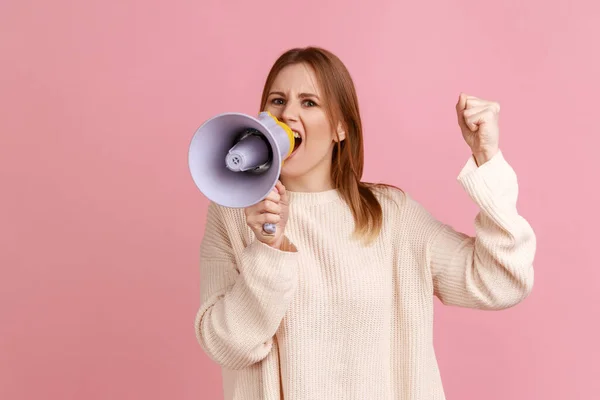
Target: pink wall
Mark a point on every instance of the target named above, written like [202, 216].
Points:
[101, 224]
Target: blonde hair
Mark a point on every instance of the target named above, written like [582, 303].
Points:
[348, 156]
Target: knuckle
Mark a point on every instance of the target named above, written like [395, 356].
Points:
[273, 207]
[269, 203]
[273, 195]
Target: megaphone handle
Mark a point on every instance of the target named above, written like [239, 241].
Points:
[269, 228]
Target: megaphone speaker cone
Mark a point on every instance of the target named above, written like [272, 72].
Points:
[235, 159]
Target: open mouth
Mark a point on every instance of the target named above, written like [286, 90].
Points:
[297, 141]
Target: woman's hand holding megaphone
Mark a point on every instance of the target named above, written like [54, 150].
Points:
[273, 209]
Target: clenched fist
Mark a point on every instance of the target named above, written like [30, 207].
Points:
[478, 121]
[273, 209]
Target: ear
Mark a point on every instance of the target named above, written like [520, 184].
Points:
[341, 134]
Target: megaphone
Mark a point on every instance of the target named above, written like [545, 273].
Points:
[235, 159]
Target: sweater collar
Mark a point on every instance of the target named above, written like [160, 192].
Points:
[313, 198]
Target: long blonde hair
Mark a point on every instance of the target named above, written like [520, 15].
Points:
[348, 156]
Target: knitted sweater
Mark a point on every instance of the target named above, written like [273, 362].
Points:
[336, 320]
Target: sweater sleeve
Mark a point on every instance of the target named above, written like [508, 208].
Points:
[243, 297]
[494, 269]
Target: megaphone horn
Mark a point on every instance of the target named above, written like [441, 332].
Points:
[235, 159]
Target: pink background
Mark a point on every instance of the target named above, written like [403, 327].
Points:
[101, 223]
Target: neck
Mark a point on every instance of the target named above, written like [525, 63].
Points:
[305, 184]
[314, 181]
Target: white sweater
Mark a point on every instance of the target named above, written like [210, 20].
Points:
[339, 321]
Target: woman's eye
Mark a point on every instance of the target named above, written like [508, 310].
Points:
[278, 101]
[310, 103]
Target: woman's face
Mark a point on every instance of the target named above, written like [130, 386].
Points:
[296, 99]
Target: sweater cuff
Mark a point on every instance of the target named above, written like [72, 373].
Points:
[494, 181]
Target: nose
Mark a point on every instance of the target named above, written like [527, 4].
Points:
[290, 112]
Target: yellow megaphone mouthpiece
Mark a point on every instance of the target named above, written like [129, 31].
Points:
[287, 130]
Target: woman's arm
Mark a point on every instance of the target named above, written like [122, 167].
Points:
[243, 301]
[494, 269]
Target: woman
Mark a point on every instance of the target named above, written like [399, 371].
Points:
[338, 303]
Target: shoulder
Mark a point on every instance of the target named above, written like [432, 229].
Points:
[225, 221]
[390, 197]
[225, 232]
[403, 208]
[384, 192]
[225, 214]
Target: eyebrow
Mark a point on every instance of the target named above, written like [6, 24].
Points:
[301, 95]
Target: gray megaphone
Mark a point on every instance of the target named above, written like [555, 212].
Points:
[235, 159]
